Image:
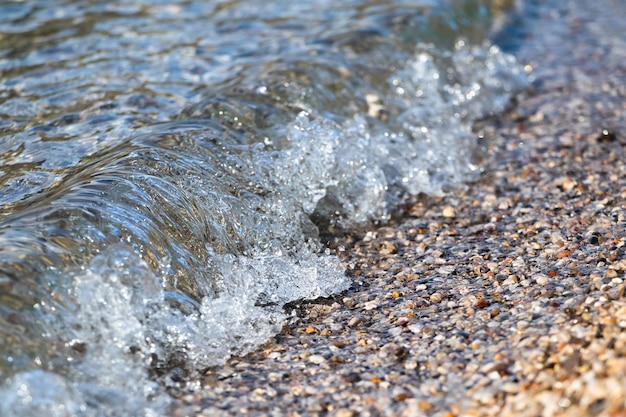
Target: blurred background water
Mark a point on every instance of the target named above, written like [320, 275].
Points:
[165, 169]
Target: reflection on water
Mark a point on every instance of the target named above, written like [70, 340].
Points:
[165, 169]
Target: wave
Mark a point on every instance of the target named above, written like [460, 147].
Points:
[155, 255]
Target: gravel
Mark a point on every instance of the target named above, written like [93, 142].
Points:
[506, 298]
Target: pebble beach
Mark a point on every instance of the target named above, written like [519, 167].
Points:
[504, 298]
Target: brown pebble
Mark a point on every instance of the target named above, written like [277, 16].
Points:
[402, 397]
[564, 254]
[424, 405]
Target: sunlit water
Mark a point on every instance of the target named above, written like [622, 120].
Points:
[165, 167]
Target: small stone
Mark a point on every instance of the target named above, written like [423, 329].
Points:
[402, 321]
[446, 269]
[349, 302]
[274, 376]
[505, 205]
[403, 396]
[436, 297]
[370, 305]
[395, 331]
[387, 248]
[510, 387]
[537, 117]
[448, 212]
[415, 328]
[424, 405]
[607, 135]
[564, 254]
[317, 359]
[481, 303]
[354, 321]
[512, 279]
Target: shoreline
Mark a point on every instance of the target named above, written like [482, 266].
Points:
[505, 299]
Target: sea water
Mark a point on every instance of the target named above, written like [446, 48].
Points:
[165, 169]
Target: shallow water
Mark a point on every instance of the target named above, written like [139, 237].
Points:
[165, 168]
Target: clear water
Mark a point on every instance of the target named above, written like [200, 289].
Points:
[165, 167]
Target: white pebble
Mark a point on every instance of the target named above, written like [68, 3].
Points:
[317, 359]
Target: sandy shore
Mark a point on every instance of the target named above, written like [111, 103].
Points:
[505, 299]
